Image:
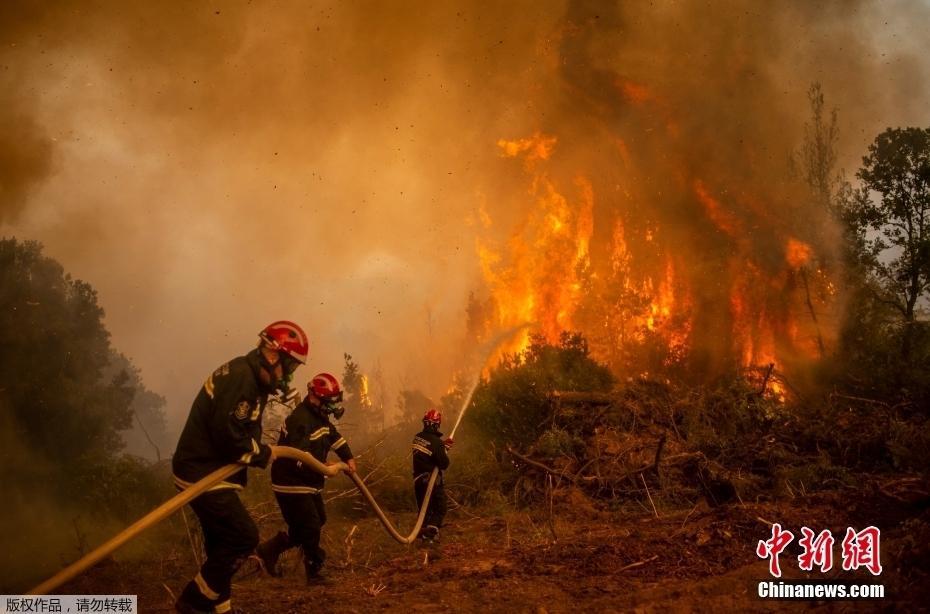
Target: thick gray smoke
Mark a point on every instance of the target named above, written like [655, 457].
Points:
[212, 168]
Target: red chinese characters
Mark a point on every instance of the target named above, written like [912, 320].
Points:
[862, 550]
[771, 548]
[859, 549]
[817, 551]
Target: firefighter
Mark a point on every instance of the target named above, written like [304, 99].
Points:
[429, 452]
[224, 426]
[298, 488]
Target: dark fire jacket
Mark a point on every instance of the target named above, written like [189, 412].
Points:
[224, 425]
[428, 452]
[310, 430]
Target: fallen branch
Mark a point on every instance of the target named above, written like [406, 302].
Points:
[653, 466]
[538, 465]
[836, 395]
[638, 563]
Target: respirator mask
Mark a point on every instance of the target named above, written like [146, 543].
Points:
[333, 406]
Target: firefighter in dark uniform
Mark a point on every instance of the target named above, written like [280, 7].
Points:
[298, 488]
[224, 427]
[429, 452]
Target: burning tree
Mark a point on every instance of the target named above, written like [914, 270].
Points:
[359, 407]
[660, 217]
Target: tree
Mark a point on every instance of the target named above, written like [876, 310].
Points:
[895, 230]
[148, 435]
[817, 161]
[817, 157]
[55, 350]
[358, 404]
[66, 396]
[412, 404]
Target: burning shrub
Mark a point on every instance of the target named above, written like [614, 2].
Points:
[729, 420]
[512, 405]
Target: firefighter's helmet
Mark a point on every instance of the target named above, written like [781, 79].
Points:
[288, 338]
[325, 387]
[432, 418]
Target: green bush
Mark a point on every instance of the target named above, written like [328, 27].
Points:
[558, 442]
[512, 405]
[908, 443]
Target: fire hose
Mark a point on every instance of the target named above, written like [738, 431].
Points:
[178, 501]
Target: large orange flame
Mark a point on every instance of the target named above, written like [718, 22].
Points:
[641, 295]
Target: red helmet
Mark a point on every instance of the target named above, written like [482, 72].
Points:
[287, 337]
[432, 418]
[326, 387]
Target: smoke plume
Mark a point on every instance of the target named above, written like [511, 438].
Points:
[211, 168]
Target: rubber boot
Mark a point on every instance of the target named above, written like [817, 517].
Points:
[314, 575]
[313, 566]
[192, 602]
[430, 533]
[185, 607]
[270, 550]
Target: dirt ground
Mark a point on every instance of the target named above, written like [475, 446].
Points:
[684, 560]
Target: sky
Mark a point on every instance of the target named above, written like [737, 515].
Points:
[212, 167]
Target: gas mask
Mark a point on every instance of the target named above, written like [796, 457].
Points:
[278, 376]
[334, 408]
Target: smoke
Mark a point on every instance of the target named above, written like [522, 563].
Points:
[25, 147]
[212, 168]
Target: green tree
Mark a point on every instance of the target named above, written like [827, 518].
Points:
[148, 435]
[55, 351]
[66, 397]
[895, 229]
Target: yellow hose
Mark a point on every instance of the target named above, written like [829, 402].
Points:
[155, 516]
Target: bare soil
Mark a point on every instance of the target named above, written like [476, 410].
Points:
[684, 560]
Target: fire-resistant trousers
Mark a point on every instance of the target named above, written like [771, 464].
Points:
[437, 501]
[229, 536]
[305, 515]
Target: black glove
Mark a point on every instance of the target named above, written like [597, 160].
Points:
[260, 460]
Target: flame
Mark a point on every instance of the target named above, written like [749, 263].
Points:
[716, 211]
[661, 307]
[639, 292]
[797, 253]
[637, 93]
[537, 147]
[363, 391]
[534, 278]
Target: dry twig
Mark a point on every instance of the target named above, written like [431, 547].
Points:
[375, 590]
[651, 502]
[638, 563]
[170, 592]
[190, 538]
